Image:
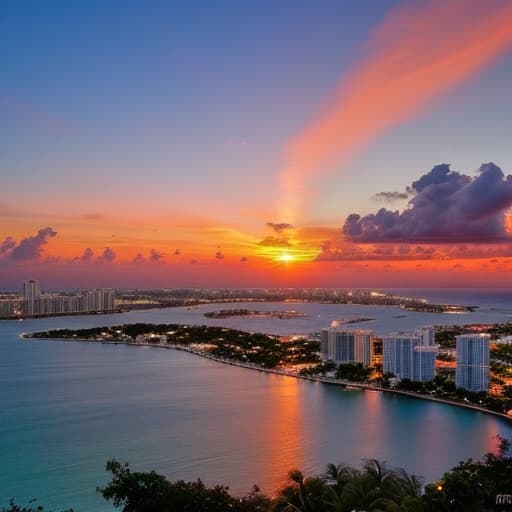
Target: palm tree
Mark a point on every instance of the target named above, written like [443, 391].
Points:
[301, 494]
[411, 484]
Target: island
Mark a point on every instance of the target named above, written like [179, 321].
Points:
[281, 315]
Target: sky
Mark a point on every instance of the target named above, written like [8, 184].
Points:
[233, 144]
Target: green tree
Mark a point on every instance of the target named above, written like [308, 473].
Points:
[301, 494]
[32, 507]
[150, 492]
[473, 486]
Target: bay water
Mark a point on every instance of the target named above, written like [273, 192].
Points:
[67, 407]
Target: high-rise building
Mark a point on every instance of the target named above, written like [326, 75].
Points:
[472, 352]
[47, 304]
[376, 351]
[98, 300]
[31, 297]
[346, 346]
[407, 357]
[428, 336]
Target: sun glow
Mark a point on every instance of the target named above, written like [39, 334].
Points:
[285, 257]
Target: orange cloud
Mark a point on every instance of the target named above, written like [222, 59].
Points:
[417, 53]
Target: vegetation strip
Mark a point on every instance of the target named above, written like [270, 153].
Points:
[472, 486]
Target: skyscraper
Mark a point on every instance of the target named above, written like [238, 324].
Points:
[472, 372]
[346, 346]
[407, 357]
[31, 296]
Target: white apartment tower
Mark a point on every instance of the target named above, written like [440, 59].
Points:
[472, 352]
[409, 356]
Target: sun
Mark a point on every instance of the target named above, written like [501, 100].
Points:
[285, 257]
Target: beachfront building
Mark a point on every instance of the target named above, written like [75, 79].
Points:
[36, 303]
[407, 357]
[472, 355]
[31, 296]
[98, 300]
[346, 345]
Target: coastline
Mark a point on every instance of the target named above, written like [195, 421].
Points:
[284, 373]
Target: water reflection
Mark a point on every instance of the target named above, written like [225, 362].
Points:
[281, 437]
[375, 426]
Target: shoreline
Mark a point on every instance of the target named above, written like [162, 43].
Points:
[411, 304]
[284, 373]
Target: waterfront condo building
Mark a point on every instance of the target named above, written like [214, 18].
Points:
[346, 346]
[31, 296]
[472, 353]
[408, 357]
[36, 303]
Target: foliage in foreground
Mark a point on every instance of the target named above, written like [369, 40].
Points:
[472, 486]
[32, 507]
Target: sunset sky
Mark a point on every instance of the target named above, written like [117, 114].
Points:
[270, 143]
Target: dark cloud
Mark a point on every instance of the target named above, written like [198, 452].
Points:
[177, 252]
[193, 261]
[219, 255]
[274, 241]
[243, 259]
[30, 248]
[155, 256]
[447, 207]
[87, 256]
[139, 259]
[107, 256]
[7, 245]
[390, 197]
[279, 227]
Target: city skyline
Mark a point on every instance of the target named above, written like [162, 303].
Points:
[143, 147]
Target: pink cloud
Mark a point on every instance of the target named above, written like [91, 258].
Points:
[419, 52]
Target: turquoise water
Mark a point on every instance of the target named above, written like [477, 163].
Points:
[67, 407]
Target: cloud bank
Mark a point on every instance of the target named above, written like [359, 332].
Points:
[446, 207]
[29, 248]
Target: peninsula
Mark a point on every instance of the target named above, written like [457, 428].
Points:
[296, 357]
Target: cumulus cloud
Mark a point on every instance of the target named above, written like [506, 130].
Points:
[139, 259]
[107, 256]
[87, 256]
[6, 246]
[155, 256]
[279, 227]
[31, 248]
[446, 207]
[219, 255]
